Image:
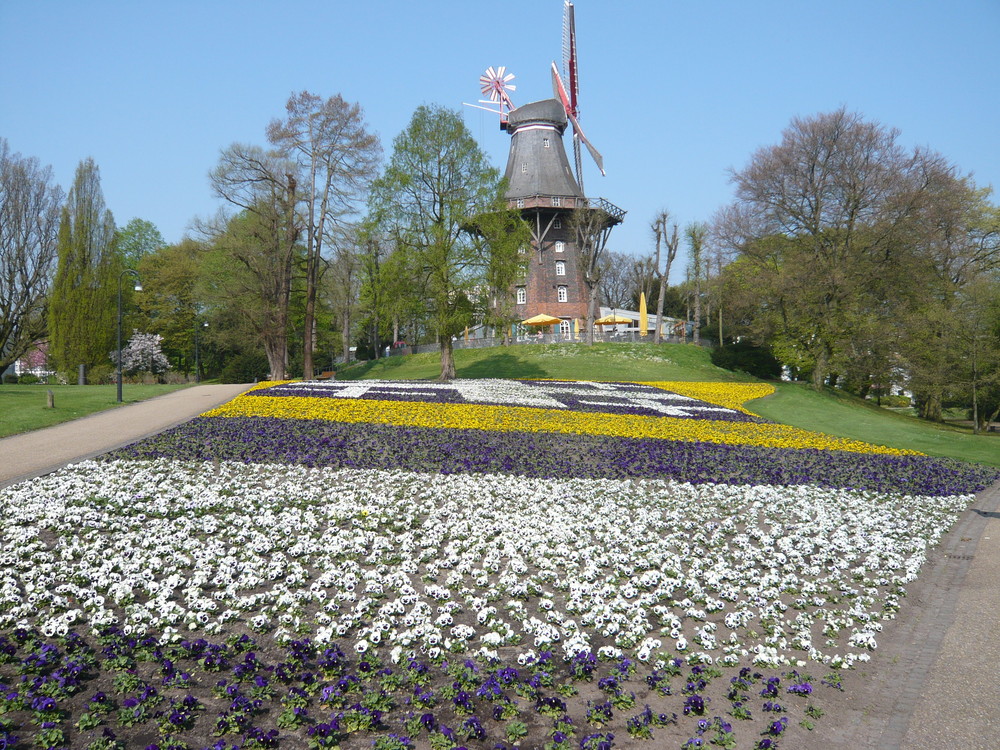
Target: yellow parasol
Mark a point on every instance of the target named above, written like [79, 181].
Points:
[643, 316]
[610, 320]
[541, 320]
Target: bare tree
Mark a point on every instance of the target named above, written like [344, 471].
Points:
[696, 234]
[591, 226]
[263, 241]
[29, 226]
[336, 159]
[659, 228]
[617, 279]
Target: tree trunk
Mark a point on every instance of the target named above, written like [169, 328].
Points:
[591, 316]
[696, 331]
[310, 317]
[930, 407]
[819, 371]
[447, 359]
[659, 304]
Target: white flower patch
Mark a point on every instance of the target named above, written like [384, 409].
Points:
[538, 394]
[389, 560]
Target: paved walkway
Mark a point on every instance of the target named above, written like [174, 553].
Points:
[933, 682]
[43, 451]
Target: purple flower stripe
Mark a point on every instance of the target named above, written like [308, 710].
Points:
[449, 451]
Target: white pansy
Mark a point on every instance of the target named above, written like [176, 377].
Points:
[392, 558]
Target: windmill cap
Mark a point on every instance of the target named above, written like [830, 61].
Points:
[549, 111]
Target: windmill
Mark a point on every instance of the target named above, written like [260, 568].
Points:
[496, 84]
[570, 97]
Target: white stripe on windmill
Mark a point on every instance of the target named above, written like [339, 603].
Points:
[496, 84]
[570, 97]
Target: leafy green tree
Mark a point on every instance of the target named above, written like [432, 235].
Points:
[436, 181]
[503, 238]
[29, 220]
[83, 304]
[136, 240]
[841, 225]
[957, 236]
[170, 300]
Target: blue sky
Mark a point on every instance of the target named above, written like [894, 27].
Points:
[673, 94]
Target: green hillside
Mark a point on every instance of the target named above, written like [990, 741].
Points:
[832, 412]
[556, 361]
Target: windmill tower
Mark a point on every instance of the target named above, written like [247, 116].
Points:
[546, 188]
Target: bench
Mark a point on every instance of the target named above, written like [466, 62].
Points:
[328, 375]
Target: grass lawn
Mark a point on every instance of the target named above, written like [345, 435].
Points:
[837, 413]
[24, 407]
[556, 361]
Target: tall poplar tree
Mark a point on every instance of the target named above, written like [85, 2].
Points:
[83, 304]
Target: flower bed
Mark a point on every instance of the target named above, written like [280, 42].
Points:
[252, 580]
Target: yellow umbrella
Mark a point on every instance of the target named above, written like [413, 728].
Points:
[610, 320]
[541, 320]
[643, 317]
[467, 334]
[576, 326]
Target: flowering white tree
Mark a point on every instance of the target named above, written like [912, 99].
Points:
[143, 354]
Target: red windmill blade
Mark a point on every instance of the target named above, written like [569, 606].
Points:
[578, 134]
[570, 97]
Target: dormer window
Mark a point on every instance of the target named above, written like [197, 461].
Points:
[545, 142]
[524, 167]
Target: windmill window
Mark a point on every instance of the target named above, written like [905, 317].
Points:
[545, 142]
[557, 224]
[524, 167]
[560, 246]
[562, 294]
[520, 202]
[564, 328]
[522, 296]
[560, 268]
[556, 200]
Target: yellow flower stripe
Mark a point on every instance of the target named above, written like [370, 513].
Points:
[528, 419]
[729, 395]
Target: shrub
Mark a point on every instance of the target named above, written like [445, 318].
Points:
[29, 379]
[10, 379]
[245, 368]
[749, 358]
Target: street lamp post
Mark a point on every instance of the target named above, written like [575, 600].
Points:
[197, 362]
[138, 288]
